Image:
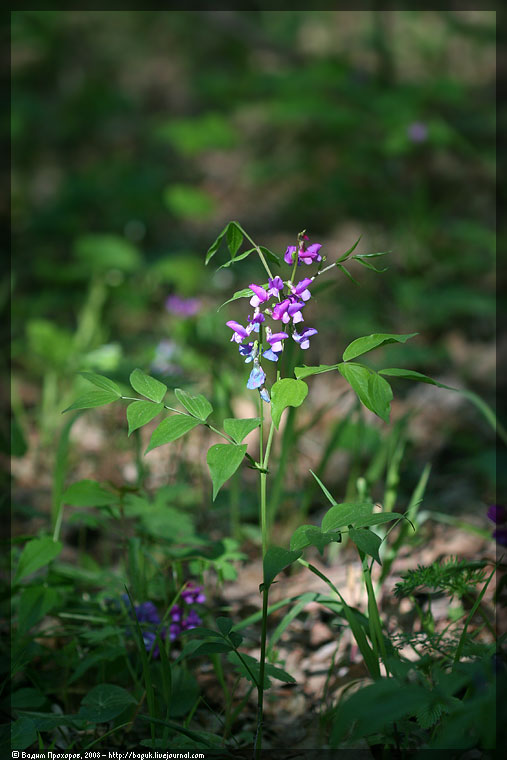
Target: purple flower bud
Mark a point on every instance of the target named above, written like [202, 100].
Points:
[176, 613]
[289, 254]
[174, 631]
[497, 513]
[264, 395]
[192, 594]
[257, 377]
[192, 620]
[249, 351]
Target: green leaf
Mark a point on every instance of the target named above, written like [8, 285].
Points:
[239, 429]
[224, 625]
[223, 460]
[234, 238]
[212, 647]
[275, 560]
[369, 387]
[347, 253]
[369, 342]
[26, 699]
[409, 374]
[198, 406]
[92, 399]
[102, 252]
[278, 673]
[34, 603]
[241, 256]
[171, 429]
[378, 519]
[369, 265]
[139, 413]
[381, 395]
[88, 493]
[215, 245]
[324, 490]
[147, 386]
[367, 541]
[102, 382]
[23, 733]
[104, 703]
[37, 553]
[269, 255]
[342, 515]
[346, 271]
[311, 535]
[284, 393]
[302, 372]
[249, 667]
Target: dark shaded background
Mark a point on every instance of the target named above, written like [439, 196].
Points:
[138, 135]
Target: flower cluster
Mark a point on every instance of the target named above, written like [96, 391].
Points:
[498, 515]
[183, 618]
[286, 310]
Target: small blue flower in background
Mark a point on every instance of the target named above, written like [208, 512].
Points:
[417, 132]
[498, 514]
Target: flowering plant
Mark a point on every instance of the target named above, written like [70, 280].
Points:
[277, 314]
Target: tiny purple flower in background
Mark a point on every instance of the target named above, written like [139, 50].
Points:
[193, 594]
[500, 536]
[303, 339]
[164, 352]
[192, 620]
[497, 513]
[182, 307]
[417, 132]
[257, 377]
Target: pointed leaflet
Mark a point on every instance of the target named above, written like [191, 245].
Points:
[139, 413]
[324, 490]
[302, 372]
[170, 429]
[371, 389]
[284, 393]
[275, 560]
[342, 515]
[223, 461]
[367, 541]
[311, 535]
[92, 399]
[239, 429]
[369, 342]
[198, 406]
[234, 238]
[215, 245]
[347, 253]
[147, 386]
[102, 382]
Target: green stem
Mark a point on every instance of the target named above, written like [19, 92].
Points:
[261, 255]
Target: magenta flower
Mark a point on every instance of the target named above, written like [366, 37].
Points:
[303, 339]
[260, 295]
[301, 289]
[306, 255]
[240, 332]
[275, 286]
